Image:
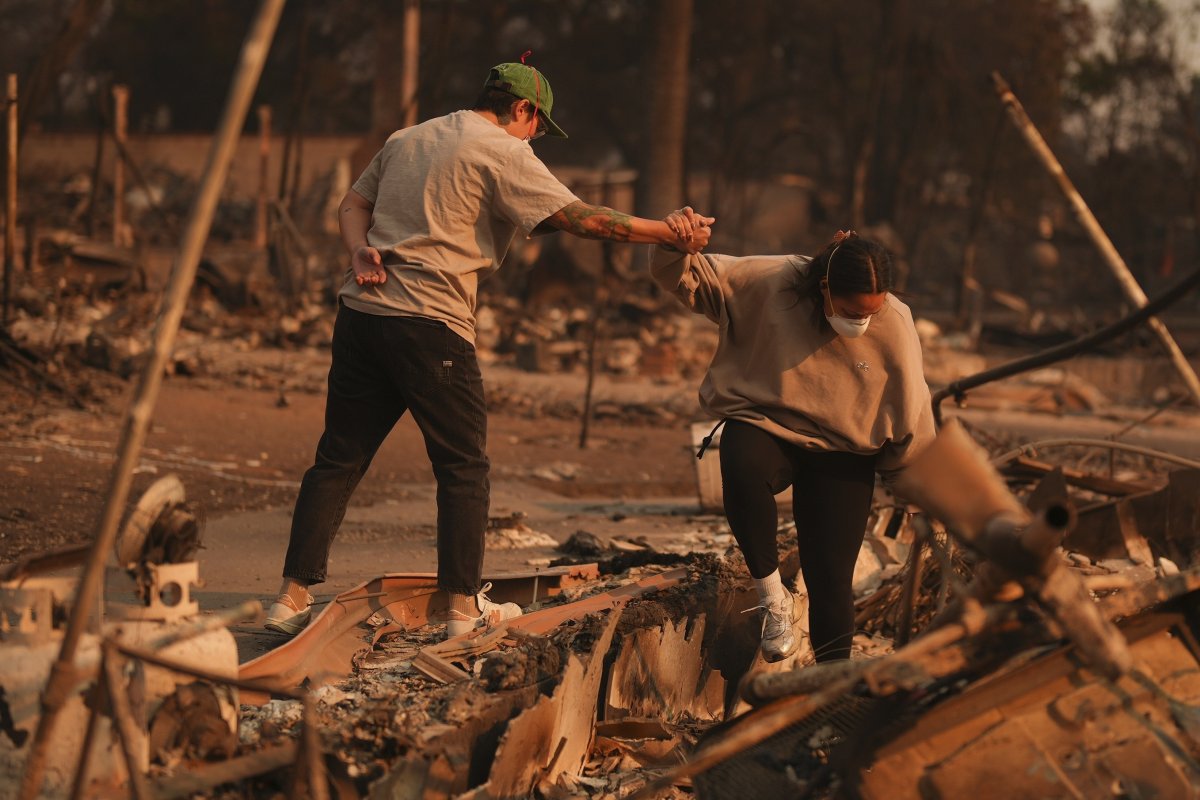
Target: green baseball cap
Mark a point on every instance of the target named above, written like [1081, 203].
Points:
[525, 82]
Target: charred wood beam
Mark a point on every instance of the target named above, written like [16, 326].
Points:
[96, 702]
[1022, 465]
[1152, 593]
[912, 587]
[10, 194]
[202, 778]
[958, 389]
[1108, 252]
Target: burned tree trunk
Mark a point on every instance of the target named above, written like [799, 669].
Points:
[660, 184]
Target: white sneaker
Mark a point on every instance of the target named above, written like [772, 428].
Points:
[778, 640]
[490, 615]
[286, 617]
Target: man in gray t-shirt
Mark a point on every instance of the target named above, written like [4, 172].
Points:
[432, 215]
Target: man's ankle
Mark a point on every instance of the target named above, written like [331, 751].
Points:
[464, 604]
[297, 590]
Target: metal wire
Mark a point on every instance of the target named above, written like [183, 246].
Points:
[793, 762]
[1032, 447]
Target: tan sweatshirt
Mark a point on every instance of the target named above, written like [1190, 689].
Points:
[774, 369]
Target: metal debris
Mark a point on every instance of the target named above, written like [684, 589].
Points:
[1022, 678]
[326, 648]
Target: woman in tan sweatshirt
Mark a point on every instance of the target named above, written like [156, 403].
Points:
[818, 380]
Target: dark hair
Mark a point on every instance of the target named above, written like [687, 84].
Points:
[498, 102]
[860, 266]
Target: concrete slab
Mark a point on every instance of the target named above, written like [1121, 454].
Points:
[243, 552]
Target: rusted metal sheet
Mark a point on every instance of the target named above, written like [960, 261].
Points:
[1052, 729]
[1164, 522]
[325, 648]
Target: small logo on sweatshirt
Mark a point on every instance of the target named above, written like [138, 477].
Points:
[864, 366]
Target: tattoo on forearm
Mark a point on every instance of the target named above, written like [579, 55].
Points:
[593, 222]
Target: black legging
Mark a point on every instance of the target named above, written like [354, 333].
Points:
[831, 499]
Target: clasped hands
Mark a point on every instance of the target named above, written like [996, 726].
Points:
[691, 230]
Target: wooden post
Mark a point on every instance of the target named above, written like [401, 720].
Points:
[286, 193]
[97, 173]
[412, 58]
[593, 334]
[969, 300]
[128, 730]
[10, 194]
[95, 702]
[120, 94]
[264, 160]
[911, 588]
[141, 407]
[298, 162]
[1108, 251]
[314, 761]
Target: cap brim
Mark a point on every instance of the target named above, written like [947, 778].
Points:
[552, 127]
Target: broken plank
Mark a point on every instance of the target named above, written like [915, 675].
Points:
[1029, 467]
[201, 778]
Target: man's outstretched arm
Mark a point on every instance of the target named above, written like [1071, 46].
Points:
[599, 222]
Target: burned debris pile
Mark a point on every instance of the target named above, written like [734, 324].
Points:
[1028, 605]
[84, 311]
[1033, 604]
[1010, 628]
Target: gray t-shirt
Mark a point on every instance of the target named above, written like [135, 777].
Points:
[449, 195]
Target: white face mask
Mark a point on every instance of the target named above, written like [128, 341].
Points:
[850, 328]
[843, 326]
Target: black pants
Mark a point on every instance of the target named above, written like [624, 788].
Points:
[831, 499]
[382, 367]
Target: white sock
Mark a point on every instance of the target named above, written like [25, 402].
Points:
[770, 589]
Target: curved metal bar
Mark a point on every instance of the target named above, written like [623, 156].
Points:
[1149, 452]
[958, 389]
